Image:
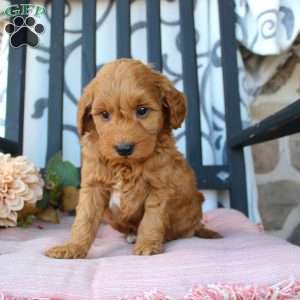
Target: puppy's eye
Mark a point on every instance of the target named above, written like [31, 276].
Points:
[142, 111]
[105, 115]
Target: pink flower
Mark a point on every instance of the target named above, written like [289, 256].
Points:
[20, 182]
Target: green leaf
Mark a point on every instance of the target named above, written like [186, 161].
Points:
[26, 222]
[68, 174]
[62, 173]
[54, 160]
[55, 196]
[52, 180]
[44, 202]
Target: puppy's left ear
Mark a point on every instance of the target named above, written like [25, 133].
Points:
[174, 100]
[84, 117]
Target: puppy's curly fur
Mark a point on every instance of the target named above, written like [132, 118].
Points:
[129, 103]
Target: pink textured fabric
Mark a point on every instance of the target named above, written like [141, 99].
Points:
[245, 256]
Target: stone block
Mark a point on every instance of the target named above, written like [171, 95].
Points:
[276, 200]
[265, 156]
[294, 143]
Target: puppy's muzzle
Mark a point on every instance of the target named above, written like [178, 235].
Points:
[124, 149]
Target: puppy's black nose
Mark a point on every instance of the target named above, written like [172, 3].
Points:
[124, 149]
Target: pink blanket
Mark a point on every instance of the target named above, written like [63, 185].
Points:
[244, 259]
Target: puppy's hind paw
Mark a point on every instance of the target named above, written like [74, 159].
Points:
[205, 233]
[69, 250]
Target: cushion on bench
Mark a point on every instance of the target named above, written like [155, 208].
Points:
[246, 261]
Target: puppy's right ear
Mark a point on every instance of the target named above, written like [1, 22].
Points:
[84, 118]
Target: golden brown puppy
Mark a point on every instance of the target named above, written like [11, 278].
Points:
[132, 174]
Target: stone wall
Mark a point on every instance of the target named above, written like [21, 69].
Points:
[277, 165]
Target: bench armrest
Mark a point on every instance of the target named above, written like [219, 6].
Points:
[282, 123]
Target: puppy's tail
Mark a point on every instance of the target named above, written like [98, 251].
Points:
[205, 233]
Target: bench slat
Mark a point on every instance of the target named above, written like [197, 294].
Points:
[56, 80]
[123, 28]
[154, 34]
[190, 85]
[14, 119]
[88, 41]
[238, 189]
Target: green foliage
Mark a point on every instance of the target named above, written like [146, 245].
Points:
[26, 222]
[62, 172]
[58, 174]
[62, 181]
[44, 202]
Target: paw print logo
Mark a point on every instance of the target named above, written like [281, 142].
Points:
[24, 31]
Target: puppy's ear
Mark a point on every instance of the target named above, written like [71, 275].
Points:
[173, 100]
[84, 118]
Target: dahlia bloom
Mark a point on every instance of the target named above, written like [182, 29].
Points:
[20, 182]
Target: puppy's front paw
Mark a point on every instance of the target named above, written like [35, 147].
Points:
[69, 250]
[147, 249]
